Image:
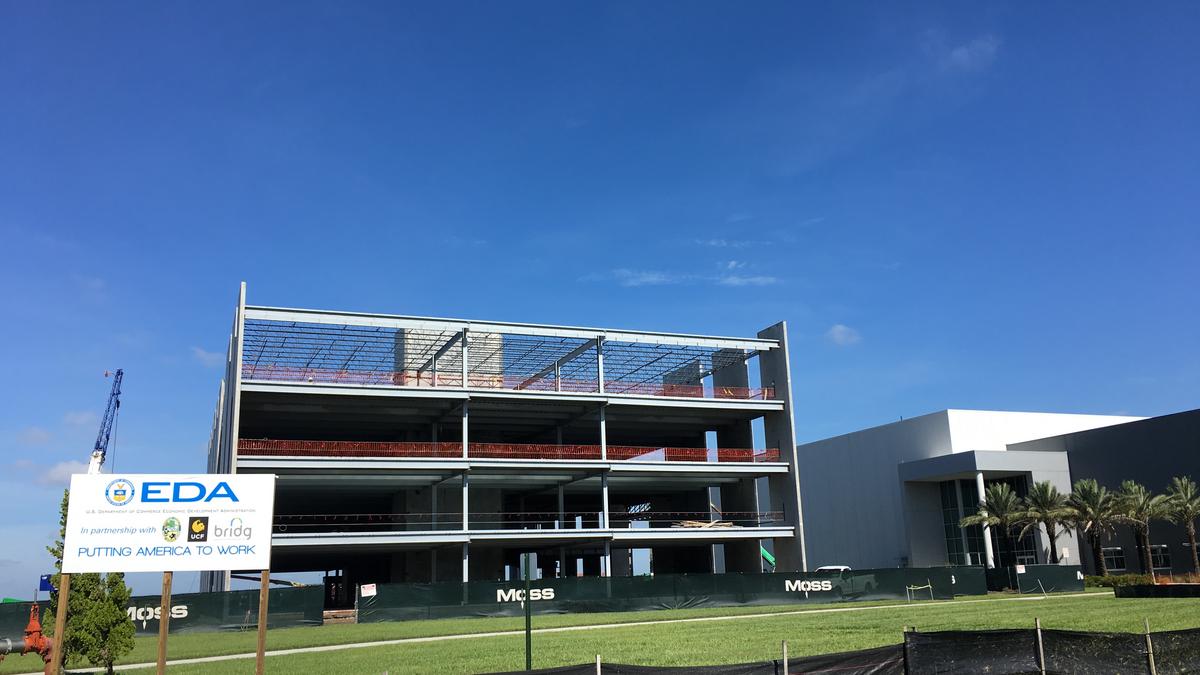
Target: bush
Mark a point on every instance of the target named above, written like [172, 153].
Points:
[1116, 580]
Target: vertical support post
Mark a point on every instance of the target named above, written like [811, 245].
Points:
[466, 414]
[1150, 650]
[260, 657]
[164, 619]
[433, 508]
[60, 623]
[603, 435]
[606, 561]
[987, 531]
[465, 355]
[604, 500]
[466, 557]
[1037, 625]
[433, 382]
[562, 511]
[528, 614]
[466, 501]
[597, 664]
[558, 379]
[785, 658]
[600, 363]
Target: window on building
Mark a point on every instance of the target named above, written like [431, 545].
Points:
[1114, 558]
[970, 501]
[1160, 556]
[950, 518]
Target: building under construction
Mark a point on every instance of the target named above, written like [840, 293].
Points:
[423, 449]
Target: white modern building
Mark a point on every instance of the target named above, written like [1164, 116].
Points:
[893, 495]
[431, 449]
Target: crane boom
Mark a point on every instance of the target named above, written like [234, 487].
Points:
[106, 425]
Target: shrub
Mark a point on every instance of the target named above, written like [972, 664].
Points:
[1117, 580]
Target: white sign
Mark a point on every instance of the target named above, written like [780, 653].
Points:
[367, 590]
[169, 522]
[1020, 569]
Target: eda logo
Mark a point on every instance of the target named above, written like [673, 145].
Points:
[120, 492]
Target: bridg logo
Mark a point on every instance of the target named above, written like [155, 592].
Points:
[119, 492]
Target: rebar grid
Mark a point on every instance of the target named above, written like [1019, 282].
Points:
[350, 354]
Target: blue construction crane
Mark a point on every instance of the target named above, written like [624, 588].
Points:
[106, 425]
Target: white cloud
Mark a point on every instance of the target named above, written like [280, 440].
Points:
[60, 474]
[732, 264]
[843, 335]
[34, 436]
[207, 358]
[81, 418]
[974, 55]
[729, 243]
[633, 278]
[743, 280]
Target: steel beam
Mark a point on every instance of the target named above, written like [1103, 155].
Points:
[554, 367]
[337, 318]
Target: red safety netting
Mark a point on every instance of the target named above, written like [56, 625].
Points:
[286, 448]
[413, 378]
[290, 448]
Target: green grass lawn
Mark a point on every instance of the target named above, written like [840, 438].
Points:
[695, 643]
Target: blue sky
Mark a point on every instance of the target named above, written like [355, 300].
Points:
[952, 205]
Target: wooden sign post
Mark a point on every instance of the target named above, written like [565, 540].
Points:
[261, 656]
[164, 620]
[60, 623]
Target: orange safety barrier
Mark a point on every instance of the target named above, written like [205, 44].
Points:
[258, 447]
[286, 448]
[411, 378]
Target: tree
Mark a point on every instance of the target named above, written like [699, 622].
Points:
[1001, 507]
[97, 626]
[1093, 514]
[1136, 507]
[1045, 506]
[1183, 507]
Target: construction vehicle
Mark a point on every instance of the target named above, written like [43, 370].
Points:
[100, 452]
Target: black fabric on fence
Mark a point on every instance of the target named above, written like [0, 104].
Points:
[1177, 651]
[405, 601]
[1002, 652]
[879, 661]
[887, 660]
[232, 610]
[1075, 652]
[1036, 578]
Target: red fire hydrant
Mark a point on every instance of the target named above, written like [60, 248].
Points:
[34, 642]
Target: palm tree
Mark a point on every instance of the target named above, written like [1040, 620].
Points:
[1045, 506]
[1183, 507]
[1136, 507]
[1093, 515]
[1001, 507]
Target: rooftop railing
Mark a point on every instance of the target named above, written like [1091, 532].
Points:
[288, 448]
